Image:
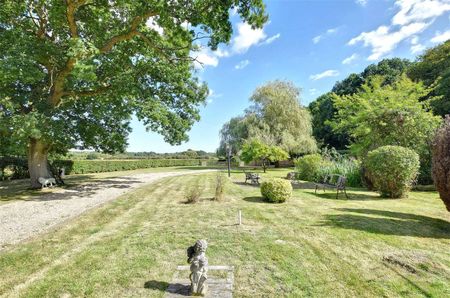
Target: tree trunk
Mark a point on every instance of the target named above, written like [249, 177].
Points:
[264, 165]
[37, 162]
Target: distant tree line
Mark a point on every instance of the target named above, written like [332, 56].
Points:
[188, 154]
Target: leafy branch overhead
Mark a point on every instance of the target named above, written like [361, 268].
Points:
[72, 73]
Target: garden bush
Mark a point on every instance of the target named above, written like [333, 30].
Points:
[441, 162]
[276, 190]
[392, 169]
[308, 167]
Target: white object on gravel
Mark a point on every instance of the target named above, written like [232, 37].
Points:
[23, 219]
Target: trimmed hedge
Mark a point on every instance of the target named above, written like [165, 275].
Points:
[13, 168]
[99, 166]
[276, 190]
[392, 170]
[17, 168]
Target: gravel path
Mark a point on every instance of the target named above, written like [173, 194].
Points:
[23, 219]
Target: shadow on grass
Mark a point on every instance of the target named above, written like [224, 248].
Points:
[156, 285]
[303, 185]
[246, 184]
[255, 200]
[390, 223]
[352, 196]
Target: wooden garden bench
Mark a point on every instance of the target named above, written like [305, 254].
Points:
[334, 181]
[253, 177]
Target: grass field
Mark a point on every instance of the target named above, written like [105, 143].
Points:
[312, 245]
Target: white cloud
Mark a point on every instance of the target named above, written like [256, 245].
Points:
[205, 57]
[332, 30]
[312, 91]
[361, 2]
[242, 64]
[272, 38]
[412, 11]
[325, 74]
[417, 48]
[412, 18]
[319, 37]
[383, 40]
[247, 37]
[441, 37]
[350, 59]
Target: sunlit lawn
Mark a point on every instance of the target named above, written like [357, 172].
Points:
[312, 245]
[20, 189]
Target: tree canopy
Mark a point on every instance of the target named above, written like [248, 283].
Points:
[255, 150]
[386, 115]
[276, 118]
[323, 109]
[72, 73]
[433, 68]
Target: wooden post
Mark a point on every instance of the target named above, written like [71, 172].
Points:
[240, 217]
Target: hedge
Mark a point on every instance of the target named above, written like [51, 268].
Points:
[17, 168]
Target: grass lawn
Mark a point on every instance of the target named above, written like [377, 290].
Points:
[19, 189]
[312, 245]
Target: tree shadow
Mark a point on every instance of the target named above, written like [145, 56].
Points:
[79, 187]
[296, 184]
[352, 196]
[156, 285]
[391, 223]
[246, 184]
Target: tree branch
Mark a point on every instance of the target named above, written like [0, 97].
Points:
[98, 91]
[58, 84]
[128, 35]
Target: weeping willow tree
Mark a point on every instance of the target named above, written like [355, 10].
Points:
[276, 118]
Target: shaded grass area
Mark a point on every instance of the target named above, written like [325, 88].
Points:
[20, 189]
[311, 245]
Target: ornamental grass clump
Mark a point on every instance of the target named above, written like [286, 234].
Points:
[193, 194]
[392, 170]
[221, 182]
[276, 190]
[441, 162]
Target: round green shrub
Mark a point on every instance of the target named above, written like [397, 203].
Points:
[308, 167]
[392, 170]
[276, 190]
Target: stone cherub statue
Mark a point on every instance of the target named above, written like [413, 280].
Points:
[199, 267]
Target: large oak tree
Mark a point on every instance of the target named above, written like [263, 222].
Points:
[73, 72]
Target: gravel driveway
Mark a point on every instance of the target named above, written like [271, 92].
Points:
[23, 219]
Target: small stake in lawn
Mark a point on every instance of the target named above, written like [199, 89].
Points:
[240, 217]
[199, 267]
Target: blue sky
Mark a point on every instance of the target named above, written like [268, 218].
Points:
[311, 43]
